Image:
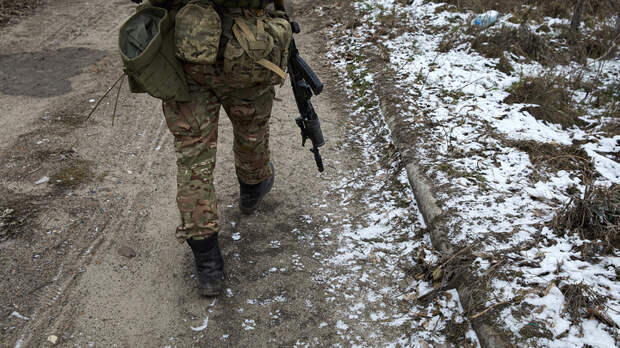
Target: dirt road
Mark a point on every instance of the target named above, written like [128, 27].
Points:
[78, 196]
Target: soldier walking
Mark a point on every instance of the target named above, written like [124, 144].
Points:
[211, 38]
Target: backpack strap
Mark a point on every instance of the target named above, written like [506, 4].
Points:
[271, 66]
[252, 42]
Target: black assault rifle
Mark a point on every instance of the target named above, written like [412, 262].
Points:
[305, 84]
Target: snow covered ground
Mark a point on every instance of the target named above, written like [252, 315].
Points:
[377, 230]
[497, 198]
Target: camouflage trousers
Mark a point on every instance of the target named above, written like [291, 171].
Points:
[195, 129]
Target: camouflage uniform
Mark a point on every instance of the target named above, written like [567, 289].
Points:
[195, 128]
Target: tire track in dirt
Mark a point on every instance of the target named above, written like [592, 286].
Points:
[51, 294]
[69, 31]
[124, 219]
[62, 289]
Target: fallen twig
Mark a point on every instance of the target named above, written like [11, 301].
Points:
[602, 316]
[517, 298]
[492, 268]
[105, 95]
[437, 273]
[116, 102]
[490, 309]
[548, 289]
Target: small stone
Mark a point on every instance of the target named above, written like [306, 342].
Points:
[127, 252]
[53, 339]
[43, 180]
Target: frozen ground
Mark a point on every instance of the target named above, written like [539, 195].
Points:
[456, 106]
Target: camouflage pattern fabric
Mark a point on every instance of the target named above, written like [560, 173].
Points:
[197, 34]
[194, 126]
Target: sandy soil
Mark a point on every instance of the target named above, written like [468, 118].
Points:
[64, 244]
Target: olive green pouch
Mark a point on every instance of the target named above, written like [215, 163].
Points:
[197, 35]
[147, 49]
[280, 30]
[258, 52]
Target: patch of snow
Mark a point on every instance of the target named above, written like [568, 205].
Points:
[205, 324]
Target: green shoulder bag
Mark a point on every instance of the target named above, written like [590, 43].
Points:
[147, 49]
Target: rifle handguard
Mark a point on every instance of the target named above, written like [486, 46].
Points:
[300, 65]
[314, 132]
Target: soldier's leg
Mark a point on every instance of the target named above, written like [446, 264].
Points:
[249, 111]
[194, 126]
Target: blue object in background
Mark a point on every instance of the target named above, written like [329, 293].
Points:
[486, 19]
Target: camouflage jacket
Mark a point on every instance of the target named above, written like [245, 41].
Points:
[220, 3]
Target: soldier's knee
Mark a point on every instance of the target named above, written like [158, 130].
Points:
[242, 113]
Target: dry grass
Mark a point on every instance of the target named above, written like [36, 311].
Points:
[455, 333]
[536, 329]
[456, 272]
[554, 100]
[609, 99]
[551, 157]
[504, 66]
[7, 222]
[595, 217]
[14, 8]
[600, 38]
[601, 42]
[520, 41]
[449, 40]
[579, 299]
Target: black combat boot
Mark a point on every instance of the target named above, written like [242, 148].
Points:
[252, 195]
[209, 265]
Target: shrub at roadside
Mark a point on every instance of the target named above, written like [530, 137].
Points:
[554, 101]
[595, 217]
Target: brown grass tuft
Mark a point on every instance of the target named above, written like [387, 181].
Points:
[554, 101]
[595, 217]
[504, 66]
[455, 333]
[579, 299]
[555, 157]
[609, 99]
[520, 41]
[536, 329]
